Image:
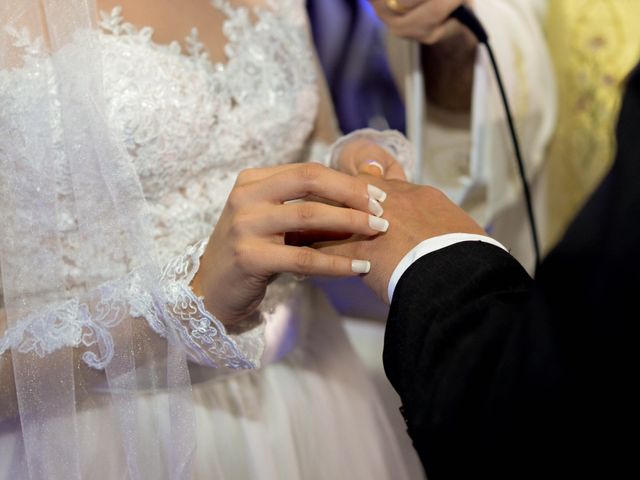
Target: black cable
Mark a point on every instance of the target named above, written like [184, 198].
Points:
[468, 19]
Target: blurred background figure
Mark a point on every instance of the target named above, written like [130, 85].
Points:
[350, 43]
[564, 65]
[563, 62]
[466, 147]
[594, 45]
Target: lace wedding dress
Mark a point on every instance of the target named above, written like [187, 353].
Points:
[189, 125]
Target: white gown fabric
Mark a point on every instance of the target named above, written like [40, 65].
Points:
[189, 125]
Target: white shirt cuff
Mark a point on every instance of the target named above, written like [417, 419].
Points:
[431, 245]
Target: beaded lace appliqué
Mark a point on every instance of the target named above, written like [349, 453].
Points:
[189, 125]
[88, 322]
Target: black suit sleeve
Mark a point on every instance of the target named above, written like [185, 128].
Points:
[455, 347]
[490, 378]
[502, 376]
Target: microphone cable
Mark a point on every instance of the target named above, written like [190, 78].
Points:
[467, 18]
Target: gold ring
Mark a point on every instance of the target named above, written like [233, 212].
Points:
[395, 7]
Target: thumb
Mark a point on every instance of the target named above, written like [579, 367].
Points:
[372, 167]
[365, 156]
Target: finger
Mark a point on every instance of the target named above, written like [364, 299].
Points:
[375, 169]
[312, 216]
[307, 261]
[395, 172]
[251, 175]
[372, 167]
[355, 154]
[406, 5]
[397, 7]
[446, 29]
[315, 179]
[419, 22]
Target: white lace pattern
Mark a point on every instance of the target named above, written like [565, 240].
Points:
[189, 125]
[88, 322]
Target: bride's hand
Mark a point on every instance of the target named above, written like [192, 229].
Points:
[361, 155]
[247, 247]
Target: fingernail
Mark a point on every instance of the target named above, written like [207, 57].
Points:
[376, 193]
[375, 207]
[375, 164]
[378, 224]
[360, 266]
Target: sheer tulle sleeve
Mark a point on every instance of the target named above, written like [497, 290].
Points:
[77, 250]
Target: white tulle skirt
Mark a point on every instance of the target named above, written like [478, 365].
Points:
[313, 414]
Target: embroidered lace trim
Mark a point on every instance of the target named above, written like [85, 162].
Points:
[88, 322]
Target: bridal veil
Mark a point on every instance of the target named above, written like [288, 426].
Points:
[80, 312]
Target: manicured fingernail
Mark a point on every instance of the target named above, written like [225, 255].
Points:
[373, 163]
[360, 266]
[378, 224]
[376, 193]
[375, 207]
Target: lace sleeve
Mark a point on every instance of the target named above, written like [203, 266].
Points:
[90, 322]
[204, 336]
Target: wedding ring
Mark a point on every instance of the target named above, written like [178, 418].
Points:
[395, 7]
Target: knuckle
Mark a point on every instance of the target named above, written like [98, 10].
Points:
[340, 265]
[304, 261]
[235, 198]
[245, 176]
[239, 226]
[309, 172]
[305, 211]
[358, 189]
[242, 255]
[354, 219]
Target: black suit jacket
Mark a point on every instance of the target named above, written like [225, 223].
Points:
[502, 376]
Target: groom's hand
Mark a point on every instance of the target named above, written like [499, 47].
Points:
[415, 213]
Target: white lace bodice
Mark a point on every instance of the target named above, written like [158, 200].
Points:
[189, 125]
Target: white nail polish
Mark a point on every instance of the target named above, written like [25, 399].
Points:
[360, 266]
[375, 207]
[376, 164]
[376, 193]
[378, 224]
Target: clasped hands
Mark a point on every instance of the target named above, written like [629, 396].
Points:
[360, 220]
[426, 21]
[415, 213]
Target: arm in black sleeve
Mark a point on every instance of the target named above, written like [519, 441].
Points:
[482, 367]
[504, 377]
